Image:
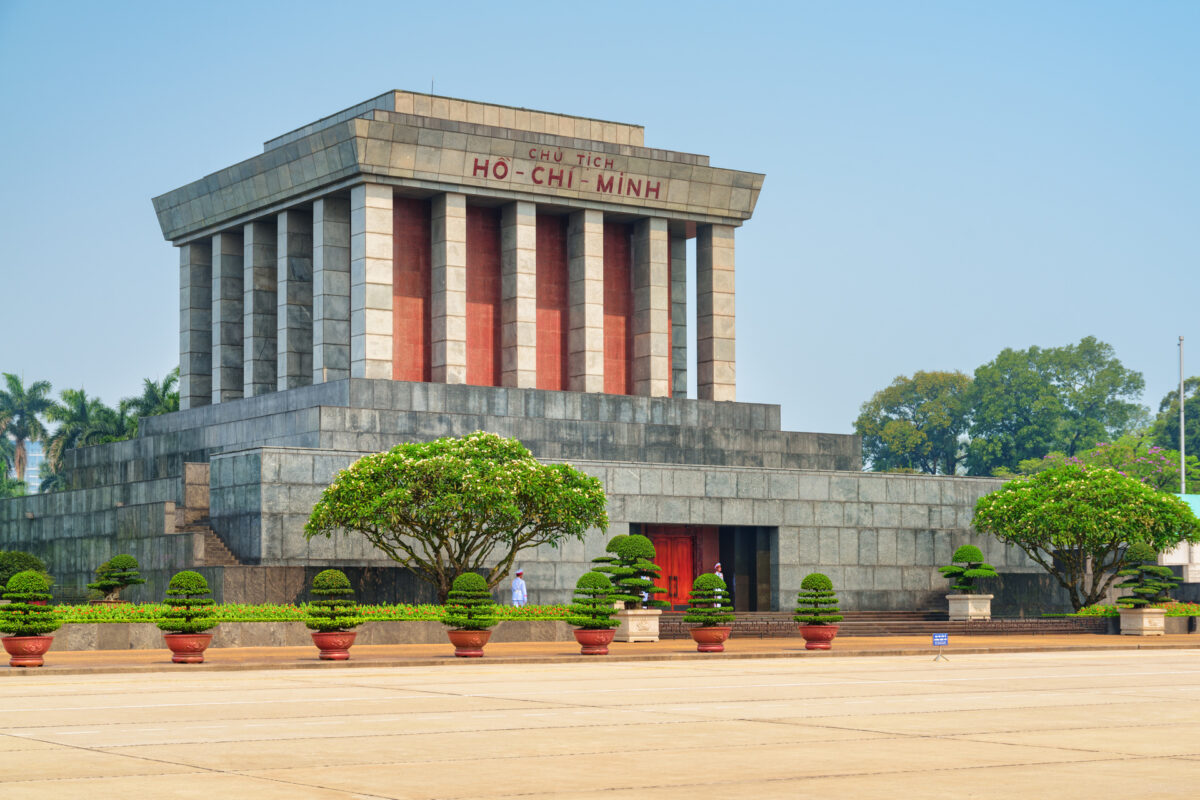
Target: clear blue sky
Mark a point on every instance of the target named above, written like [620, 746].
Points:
[943, 179]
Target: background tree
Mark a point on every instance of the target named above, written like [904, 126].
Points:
[21, 410]
[1027, 403]
[1165, 430]
[158, 397]
[82, 421]
[459, 505]
[917, 423]
[1135, 456]
[11, 487]
[1076, 521]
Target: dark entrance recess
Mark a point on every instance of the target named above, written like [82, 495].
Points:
[685, 551]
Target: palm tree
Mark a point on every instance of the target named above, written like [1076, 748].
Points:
[83, 421]
[158, 397]
[21, 408]
[7, 452]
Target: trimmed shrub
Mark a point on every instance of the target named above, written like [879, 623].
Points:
[709, 602]
[967, 567]
[190, 611]
[117, 573]
[21, 616]
[469, 605]
[633, 572]
[335, 608]
[592, 608]
[1146, 581]
[14, 561]
[816, 604]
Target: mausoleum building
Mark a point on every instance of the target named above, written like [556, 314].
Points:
[418, 266]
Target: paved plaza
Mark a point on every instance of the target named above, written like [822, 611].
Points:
[1064, 724]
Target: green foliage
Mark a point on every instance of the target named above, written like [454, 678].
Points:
[469, 606]
[968, 566]
[117, 573]
[10, 487]
[1135, 456]
[1146, 582]
[14, 561]
[1165, 430]
[21, 411]
[84, 421]
[1076, 521]
[22, 615]
[709, 602]
[335, 609]
[452, 506]
[816, 603]
[633, 571]
[917, 424]
[190, 610]
[592, 608]
[1030, 402]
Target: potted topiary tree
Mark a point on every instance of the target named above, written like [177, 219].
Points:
[633, 572]
[817, 611]
[470, 614]
[710, 611]
[1148, 585]
[332, 617]
[592, 613]
[112, 576]
[27, 619]
[190, 616]
[967, 567]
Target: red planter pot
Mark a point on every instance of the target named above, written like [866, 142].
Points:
[334, 645]
[468, 644]
[818, 637]
[594, 643]
[187, 648]
[711, 639]
[26, 651]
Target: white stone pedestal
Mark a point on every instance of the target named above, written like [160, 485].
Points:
[1143, 621]
[965, 607]
[638, 625]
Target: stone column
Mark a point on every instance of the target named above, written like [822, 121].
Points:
[518, 295]
[260, 327]
[331, 289]
[371, 281]
[585, 298]
[448, 286]
[195, 324]
[651, 309]
[679, 332]
[227, 324]
[294, 309]
[715, 359]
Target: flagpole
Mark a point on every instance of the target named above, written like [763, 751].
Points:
[1182, 445]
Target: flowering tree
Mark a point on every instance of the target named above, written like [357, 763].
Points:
[459, 505]
[1134, 456]
[1077, 522]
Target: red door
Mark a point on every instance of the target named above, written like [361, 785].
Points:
[675, 554]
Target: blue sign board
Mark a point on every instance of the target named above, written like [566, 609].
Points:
[941, 639]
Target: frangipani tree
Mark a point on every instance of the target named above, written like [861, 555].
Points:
[1077, 522]
[458, 505]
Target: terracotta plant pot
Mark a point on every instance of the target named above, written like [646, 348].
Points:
[710, 639]
[108, 602]
[334, 645]
[594, 643]
[818, 637]
[468, 644]
[187, 648]
[26, 651]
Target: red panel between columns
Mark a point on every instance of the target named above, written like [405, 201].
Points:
[618, 310]
[552, 307]
[483, 296]
[411, 251]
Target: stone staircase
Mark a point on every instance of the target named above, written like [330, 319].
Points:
[208, 550]
[772, 624]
